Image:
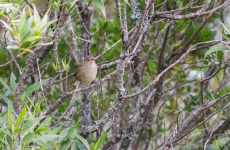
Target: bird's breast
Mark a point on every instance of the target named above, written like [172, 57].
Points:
[88, 73]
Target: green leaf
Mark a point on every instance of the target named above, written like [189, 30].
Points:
[42, 130]
[74, 146]
[32, 88]
[45, 123]
[31, 39]
[42, 143]
[227, 36]
[79, 144]
[92, 146]
[28, 138]
[29, 124]
[108, 27]
[225, 27]
[65, 145]
[8, 27]
[12, 47]
[16, 129]
[56, 130]
[100, 141]
[22, 23]
[55, 67]
[215, 48]
[19, 2]
[65, 66]
[68, 6]
[9, 140]
[13, 84]
[36, 15]
[84, 141]
[11, 6]
[21, 117]
[6, 86]
[25, 49]
[49, 137]
[37, 106]
[3, 103]
[47, 24]
[27, 28]
[55, 5]
[70, 132]
[71, 4]
[3, 134]
[10, 115]
[63, 134]
[100, 5]
[43, 44]
[4, 99]
[44, 20]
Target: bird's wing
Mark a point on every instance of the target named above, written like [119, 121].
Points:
[70, 82]
[73, 78]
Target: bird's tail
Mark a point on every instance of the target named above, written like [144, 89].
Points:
[70, 82]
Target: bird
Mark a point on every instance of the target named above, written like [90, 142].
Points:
[85, 73]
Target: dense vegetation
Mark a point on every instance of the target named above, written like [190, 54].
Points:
[162, 82]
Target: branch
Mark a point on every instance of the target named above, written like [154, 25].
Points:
[56, 42]
[153, 83]
[192, 15]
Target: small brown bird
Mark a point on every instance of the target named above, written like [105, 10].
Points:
[86, 71]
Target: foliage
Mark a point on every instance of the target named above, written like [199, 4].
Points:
[163, 74]
[30, 130]
[27, 33]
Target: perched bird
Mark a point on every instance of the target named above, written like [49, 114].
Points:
[86, 71]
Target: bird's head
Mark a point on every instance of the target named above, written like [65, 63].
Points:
[89, 58]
